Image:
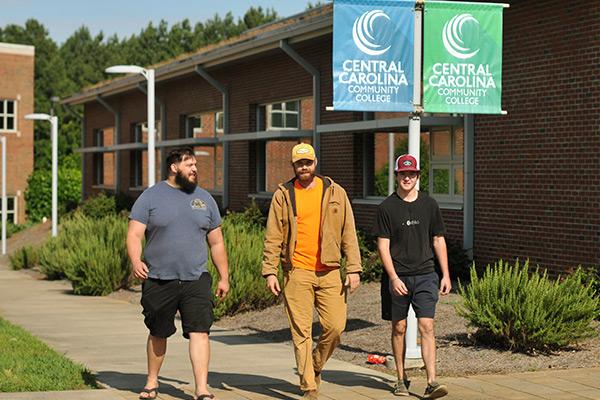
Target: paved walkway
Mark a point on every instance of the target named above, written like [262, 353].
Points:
[108, 336]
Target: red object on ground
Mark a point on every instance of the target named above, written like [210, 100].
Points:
[375, 359]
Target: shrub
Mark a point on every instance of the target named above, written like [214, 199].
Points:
[527, 311]
[251, 216]
[24, 258]
[39, 192]
[371, 263]
[91, 253]
[244, 244]
[99, 206]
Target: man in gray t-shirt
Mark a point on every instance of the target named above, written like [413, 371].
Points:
[177, 218]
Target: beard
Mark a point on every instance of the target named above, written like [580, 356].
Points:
[187, 185]
[305, 177]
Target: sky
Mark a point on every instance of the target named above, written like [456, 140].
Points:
[126, 17]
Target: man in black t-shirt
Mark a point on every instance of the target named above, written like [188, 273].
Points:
[410, 229]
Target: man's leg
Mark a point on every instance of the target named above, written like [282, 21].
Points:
[156, 348]
[299, 297]
[330, 302]
[200, 356]
[428, 346]
[399, 347]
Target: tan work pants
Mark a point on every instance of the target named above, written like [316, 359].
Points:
[324, 291]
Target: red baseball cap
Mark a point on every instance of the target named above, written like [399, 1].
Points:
[406, 162]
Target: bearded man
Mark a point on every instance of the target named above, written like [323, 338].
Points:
[310, 225]
[177, 219]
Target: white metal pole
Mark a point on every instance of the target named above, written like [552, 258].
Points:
[4, 202]
[54, 124]
[414, 148]
[151, 135]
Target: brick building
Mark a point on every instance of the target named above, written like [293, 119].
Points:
[523, 185]
[16, 100]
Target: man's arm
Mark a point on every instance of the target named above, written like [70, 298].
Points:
[439, 247]
[383, 247]
[219, 258]
[273, 243]
[135, 235]
[350, 248]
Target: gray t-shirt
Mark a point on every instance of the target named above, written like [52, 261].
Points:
[176, 226]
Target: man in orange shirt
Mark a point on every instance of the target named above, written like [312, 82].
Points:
[310, 225]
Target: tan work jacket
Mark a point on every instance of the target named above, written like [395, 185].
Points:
[338, 233]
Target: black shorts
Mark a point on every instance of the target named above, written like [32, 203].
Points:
[161, 299]
[423, 294]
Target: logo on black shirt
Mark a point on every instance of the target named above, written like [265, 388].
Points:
[412, 222]
[198, 204]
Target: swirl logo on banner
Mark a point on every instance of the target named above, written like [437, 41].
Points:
[362, 33]
[452, 36]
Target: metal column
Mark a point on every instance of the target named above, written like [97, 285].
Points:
[221, 88]
[316, 139]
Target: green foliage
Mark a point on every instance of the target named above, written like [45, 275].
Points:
[526, 311]
[371, 263]
[91, 253]
[244, 244]
[251, 216]
[24, 258]
[28, 365]
[381, 176]
[99, 206]
[39, 192]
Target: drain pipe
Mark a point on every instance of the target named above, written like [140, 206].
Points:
[316, 139]
[221, 88]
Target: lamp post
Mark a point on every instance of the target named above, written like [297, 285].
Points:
[149, 75]
[54, 138]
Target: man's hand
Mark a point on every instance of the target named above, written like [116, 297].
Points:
[445, 286]
[222, 288]
[352, 281]
[140, 270]
[398, 287]
[273, 284]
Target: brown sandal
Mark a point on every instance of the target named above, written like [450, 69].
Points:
[148, 392]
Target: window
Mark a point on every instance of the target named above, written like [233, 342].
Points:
[273, 163]
[283, 115]
[8, 115]
[441, 162]
[98, 157]
[192, 125]
[219, 122]
[11, 209]
[209, 162]
[447, 180]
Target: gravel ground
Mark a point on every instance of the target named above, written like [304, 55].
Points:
[457, 355]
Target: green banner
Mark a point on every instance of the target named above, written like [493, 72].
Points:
[462, 57]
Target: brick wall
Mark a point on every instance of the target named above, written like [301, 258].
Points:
[537, 170]
[17, 84]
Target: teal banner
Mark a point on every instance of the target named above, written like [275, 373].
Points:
[373, 55]
[462, 57]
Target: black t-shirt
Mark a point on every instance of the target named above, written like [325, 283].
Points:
[410, 226]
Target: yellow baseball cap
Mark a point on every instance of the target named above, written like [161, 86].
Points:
[303, 151]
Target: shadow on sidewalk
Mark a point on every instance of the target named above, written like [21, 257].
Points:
[349, 379]
[135, 382]
[261, 385]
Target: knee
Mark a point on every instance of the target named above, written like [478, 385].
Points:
[334, 330]
[426, 327]
[399, 328]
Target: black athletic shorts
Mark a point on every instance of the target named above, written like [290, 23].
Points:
[161, 299]
[423, 294]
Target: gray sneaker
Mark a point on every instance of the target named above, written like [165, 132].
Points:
[401, 388]
[434, 391]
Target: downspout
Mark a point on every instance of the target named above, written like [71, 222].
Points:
[221, 88]
[469, 199]
[316, 139]
[116, 140]
[163, 130]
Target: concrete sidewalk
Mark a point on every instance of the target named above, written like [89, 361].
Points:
[108, 336]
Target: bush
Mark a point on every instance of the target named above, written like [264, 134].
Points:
[99, 206]
[371, 263]
[39, 192]
[91, 253]
[251, 216]
[527, 311]
[244, 244]
[24, 258]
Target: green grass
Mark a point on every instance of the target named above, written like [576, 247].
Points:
[28, 365]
